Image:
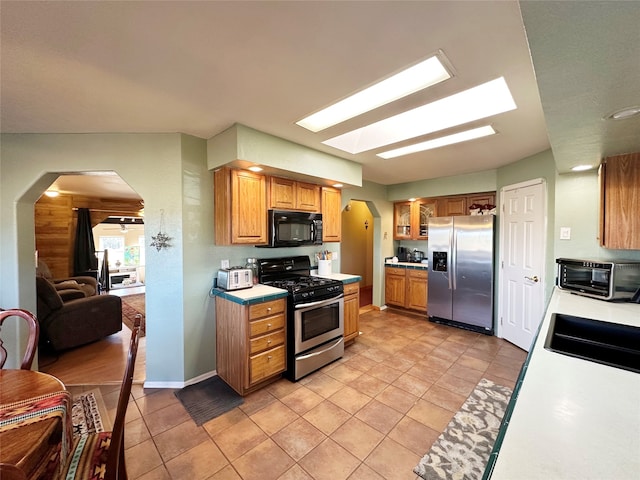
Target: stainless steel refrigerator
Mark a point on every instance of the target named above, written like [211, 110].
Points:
[461, 264]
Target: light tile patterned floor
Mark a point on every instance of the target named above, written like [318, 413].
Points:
[371, 415]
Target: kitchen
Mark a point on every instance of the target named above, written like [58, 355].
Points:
[137, 159]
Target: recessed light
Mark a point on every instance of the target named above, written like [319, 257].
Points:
[440, 142]
[623, 113]
[338, 185]
[581, 168]
[485, 100]
[412, 199]
[52, 193]
[413, 79]
[255, 168]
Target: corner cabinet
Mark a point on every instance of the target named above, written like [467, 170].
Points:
[619, 202]
[289, 194]
[250, 343]
[331, 214]
[240, 207]
[351, 311]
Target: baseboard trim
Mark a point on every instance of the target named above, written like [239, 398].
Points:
[178, 385]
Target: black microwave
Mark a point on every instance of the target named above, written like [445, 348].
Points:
[294, 229]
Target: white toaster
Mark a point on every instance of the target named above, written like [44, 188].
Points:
[235, 278]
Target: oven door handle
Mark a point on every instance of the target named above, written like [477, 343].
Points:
[321, 302]
[324, 350]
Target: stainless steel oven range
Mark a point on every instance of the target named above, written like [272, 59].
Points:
[315, 313]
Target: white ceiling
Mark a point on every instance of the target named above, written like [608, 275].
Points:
[199, 67]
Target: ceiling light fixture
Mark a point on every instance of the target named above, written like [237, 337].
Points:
[581, 168]
[255, 168]
[485, 100]
[623, 113]
[52, 193]
[440, 142]
[338, 185]
[413, 79]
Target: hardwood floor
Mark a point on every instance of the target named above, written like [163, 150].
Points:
[99, 363]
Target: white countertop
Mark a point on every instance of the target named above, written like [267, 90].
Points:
[406, 264]
[574, 419]
[343, 277]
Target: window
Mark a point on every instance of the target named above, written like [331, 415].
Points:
[115, 245]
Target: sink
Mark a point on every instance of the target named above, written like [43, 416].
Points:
[594, 340]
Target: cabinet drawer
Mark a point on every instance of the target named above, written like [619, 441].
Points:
[420, 274]
[395, 271]
[267, 341]
[351, 288]
[260, 310]
[266, 364]
[266, 325]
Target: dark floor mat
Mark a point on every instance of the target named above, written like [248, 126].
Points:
[208, 399]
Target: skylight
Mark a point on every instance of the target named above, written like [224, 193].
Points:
[420, 76]
[479, 102]
[440, 142]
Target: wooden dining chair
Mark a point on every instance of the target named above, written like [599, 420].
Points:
[32, 341]
[101, 455]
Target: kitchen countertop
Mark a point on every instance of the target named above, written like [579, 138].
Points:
[407, 265]
[262, 293]
[573, 419]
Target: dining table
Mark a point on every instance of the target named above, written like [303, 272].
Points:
[35, 423]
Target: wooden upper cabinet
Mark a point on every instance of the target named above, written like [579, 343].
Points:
[451, 206]
[286, 194]
[481, 199]
[411, 219]
[331, 214]
[620, 202]
[240, 207]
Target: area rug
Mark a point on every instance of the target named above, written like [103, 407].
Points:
[208, 399]
[462, 451]
[89, 413]
[133, 305]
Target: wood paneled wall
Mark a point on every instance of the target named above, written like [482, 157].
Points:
[55, 225]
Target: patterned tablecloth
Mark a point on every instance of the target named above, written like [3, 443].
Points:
[24, 412]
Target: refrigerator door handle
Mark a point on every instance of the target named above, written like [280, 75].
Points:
[452, 259]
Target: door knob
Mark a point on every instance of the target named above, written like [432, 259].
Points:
[533, 279]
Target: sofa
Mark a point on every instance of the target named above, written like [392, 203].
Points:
[68, 319]
[86, 284]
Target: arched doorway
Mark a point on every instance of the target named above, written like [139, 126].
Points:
[357, 246]
[104, 194]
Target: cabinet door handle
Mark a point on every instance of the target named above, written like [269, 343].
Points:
[268, 309]
[269, 357]
[269, 342]
[268, 325]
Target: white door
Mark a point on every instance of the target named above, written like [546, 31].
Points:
[522, 257]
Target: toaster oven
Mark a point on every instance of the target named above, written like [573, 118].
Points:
[235, 278]
[602, 279]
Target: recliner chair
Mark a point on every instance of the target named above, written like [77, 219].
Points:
[87, 285]
[74, 322]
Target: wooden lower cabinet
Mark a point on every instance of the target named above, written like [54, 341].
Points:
[250, 343]
[406, 288]
[351, 311]
[394, 286]
[417, 289]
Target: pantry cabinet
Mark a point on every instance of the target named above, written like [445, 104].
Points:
[240, 205]
[351, 311]
[331, 214]
[620, 201]
[287, 194]
[406, 288]
[250, 343]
